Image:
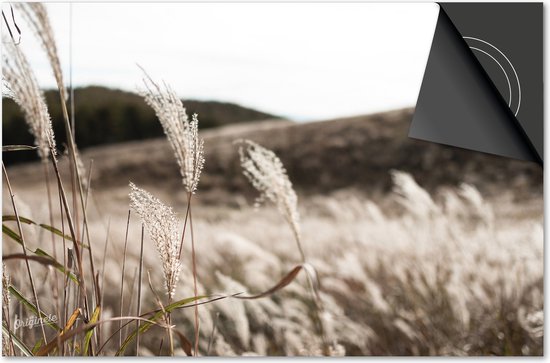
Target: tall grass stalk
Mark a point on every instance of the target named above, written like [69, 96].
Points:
[24, 90]
[74, 235]
[188, 148]
[23, 245]
[123, 277]
[166, 315]
[53, 238]
[139, 289]
[131, 295]
[37, 17]
[67, 268]
[267, 174]
[195, 290]
[101, 302]
[162, 224]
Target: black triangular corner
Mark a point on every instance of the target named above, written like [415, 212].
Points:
[458, 105]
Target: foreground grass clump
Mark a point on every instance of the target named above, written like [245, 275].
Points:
[78, 293]
[445, 275]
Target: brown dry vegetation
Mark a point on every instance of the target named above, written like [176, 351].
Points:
[403, 271]
[320, 157]
[409, 248]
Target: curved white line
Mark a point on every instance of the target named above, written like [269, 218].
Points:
[511, 65]
[505, 75]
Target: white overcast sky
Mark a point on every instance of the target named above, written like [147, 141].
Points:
[300, 60]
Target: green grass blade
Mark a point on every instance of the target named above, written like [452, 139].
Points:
[17, 294]
[18, 148]
[156, 316]
[11, 233]
[12, 218]
[16, 342]
[39, 252]
[88, 336]
[37, 345]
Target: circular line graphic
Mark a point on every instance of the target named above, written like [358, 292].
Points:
[502, 67]
[503, 70]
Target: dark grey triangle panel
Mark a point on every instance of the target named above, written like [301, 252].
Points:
[459, 104]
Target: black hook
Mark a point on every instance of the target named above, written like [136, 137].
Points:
[14, 24]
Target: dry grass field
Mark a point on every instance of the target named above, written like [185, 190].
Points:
[403, 270]
[338, 237]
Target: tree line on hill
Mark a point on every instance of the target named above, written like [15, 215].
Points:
[105, 116]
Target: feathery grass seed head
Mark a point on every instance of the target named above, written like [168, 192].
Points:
[182, 133]
[266, 173]
[37, 17]
[21, 85]
[411, 196]
[163, 228]
[6, 282]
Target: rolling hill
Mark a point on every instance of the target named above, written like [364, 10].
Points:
[106, 116]
[321, 157]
